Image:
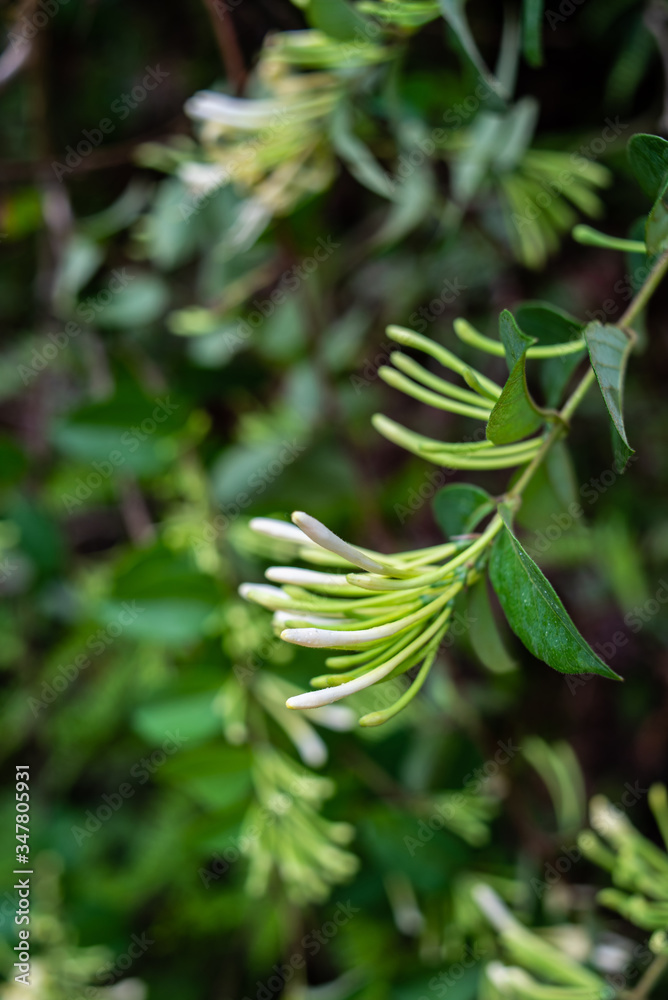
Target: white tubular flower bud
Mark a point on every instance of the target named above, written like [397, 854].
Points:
[274, 528]
[262, 593]
[306, 577]
[336, 717]
[318, 533]
[281, 618]
[315, 699]
[319, 638]
[209, 105]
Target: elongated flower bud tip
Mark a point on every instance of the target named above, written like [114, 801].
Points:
[372, 719]
[321, 535]
[336, 717]
[264, 594]
[304, 577]
[399, 334]
[492, 906]
[380, 421]
[282, 530]
[503, 976]
[293, 635]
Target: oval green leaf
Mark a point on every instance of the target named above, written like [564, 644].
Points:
[535, 612]
[648, 156]
[485, 638]
[609, 348]
[460, 507]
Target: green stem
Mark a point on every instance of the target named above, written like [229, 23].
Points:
[635, 306]
[647, 291]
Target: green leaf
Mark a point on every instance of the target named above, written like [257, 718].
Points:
[337, 19]
[164, 596]
[551, 496]
[535, 612]
[460, 507]
[532, 26]
[41, 538]
[171, 622]
[514, 341]
[127, 433]
[515, 414]
[13, 462]
[648, 156]
[357, 156]
[485, 639]
[656, 230]
[547, 323]
[453, 13]
[550, 325]
[415, 201]
[609, 349]
[141, 302]
[81, 259]
[193, 716]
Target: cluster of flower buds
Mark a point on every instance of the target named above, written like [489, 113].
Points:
[283, 831]
[540, 969]
[276, 148]
[638, 867]
[386, 614]
[477, 401]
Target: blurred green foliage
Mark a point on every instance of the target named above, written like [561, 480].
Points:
[193, 307]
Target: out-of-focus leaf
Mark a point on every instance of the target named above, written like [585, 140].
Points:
[484, 634]
[192, 716]
[336, 18]
[141, 302]
[415, 197]
[282, 336]
[169, 238]
[453, 13]
[518, 129]
[559, 768]
[532, 31]
[357, 156]
[164, 598]
[80, 261]
[648, 156]
[560, 471]
[621, 560]
[341, 345]
[120, 214]
[40, 536]
[127, 433]
[12, 461]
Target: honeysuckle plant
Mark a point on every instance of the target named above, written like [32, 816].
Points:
[534, 967]
[638, 868]
[306, 107]
[384, 614]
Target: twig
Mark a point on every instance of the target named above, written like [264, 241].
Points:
[135, 513]
[649, 979]
[228, 44]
